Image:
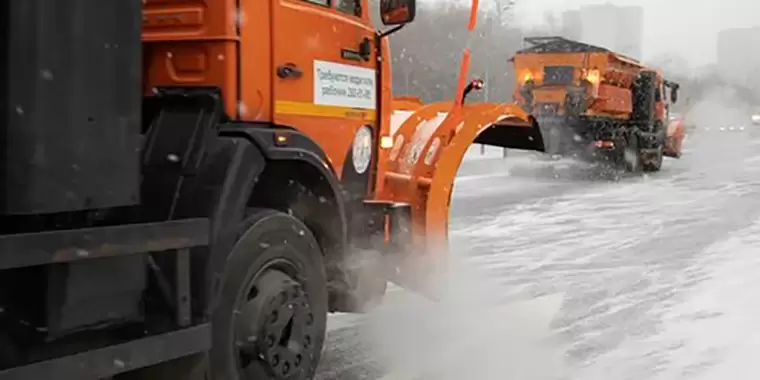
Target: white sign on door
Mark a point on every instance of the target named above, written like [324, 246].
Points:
[342, 85]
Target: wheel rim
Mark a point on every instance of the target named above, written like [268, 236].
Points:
[275, 328]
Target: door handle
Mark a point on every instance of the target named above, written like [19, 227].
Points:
[365, 49]
[362, 54]
[289, 70]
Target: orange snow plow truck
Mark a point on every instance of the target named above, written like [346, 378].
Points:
[592, 102]
[190, 186]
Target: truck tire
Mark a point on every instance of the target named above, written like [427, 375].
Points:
[278, 255]
[271, 316]
[656, 164]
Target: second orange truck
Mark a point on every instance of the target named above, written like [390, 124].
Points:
[590, 101]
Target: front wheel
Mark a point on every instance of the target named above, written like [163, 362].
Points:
[271, 316]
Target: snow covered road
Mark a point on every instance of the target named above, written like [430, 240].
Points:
[659, 275]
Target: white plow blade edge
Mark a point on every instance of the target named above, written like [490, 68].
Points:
[506, 342]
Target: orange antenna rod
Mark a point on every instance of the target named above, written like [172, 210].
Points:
[465, 66]
[473, 16]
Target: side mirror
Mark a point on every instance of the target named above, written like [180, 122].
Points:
[475, 84]
[397, 12]
[674, 95]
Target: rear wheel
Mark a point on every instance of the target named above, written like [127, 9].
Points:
[655, 154]
[655, 162]
[271, 318]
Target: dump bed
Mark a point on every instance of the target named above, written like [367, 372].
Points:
[547, 51]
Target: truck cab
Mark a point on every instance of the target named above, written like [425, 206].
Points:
[312, 65]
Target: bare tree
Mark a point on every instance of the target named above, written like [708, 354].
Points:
[426, 54]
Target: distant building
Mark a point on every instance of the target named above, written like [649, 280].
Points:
[630, 31]
[618, 28]
[736, 63]
[571, 25]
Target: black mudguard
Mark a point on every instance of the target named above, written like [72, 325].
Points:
[233, 165]
[299, 147]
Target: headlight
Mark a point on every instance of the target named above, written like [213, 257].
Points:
[362, 149]
[756, 119]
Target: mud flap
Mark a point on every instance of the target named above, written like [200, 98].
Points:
[429, 145]
[674, 139]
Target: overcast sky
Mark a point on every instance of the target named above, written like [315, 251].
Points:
[686, 27]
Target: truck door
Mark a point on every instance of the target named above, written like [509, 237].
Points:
[325, 71]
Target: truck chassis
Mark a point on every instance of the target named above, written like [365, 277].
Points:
[225, 200]
[69, 246]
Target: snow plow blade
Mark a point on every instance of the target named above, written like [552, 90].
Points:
[513, 133]
[674, 140]
[429, 143]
